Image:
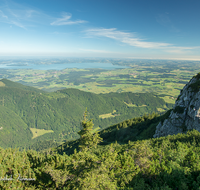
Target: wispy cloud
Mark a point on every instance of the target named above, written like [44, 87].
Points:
[181, 50]
[132, 40]
[13, 13]
[124, 37]
[30, 13]
[3, 15]
[65, 20]
[16, 14]
[18, 24]
[12, 21]
[22, 16]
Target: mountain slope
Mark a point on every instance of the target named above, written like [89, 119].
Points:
[139, 128]
[62, 111]
[14, 132]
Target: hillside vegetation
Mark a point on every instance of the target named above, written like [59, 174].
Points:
[165, 163]
[9, 83]
[61, 112]
[12, 129]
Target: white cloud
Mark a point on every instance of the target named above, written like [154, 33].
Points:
[29, 13]
[125, 37]
[65, 20]
[181, 50]
[18, 24]
[24, 17]
[132, 40]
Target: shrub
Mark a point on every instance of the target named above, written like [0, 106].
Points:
[195, 86]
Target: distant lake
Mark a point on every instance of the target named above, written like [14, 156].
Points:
[108, 66]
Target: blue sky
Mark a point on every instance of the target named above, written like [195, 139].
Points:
[147, 29]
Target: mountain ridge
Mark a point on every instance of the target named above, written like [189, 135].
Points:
[9, 83]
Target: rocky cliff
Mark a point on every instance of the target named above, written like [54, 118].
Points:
[186, 112]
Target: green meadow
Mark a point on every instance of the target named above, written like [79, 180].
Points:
[39, 132]
[113, 114]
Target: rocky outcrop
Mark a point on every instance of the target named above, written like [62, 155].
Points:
[186, 112]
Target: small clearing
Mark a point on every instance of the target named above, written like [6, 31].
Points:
[2, 84]
[103, 116]
[39, 132]
[134, 105]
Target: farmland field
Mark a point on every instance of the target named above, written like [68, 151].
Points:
[164, 78]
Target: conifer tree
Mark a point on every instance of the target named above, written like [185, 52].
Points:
[87, 139]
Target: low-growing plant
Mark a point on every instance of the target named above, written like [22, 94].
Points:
[195, 86]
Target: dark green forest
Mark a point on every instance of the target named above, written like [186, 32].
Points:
[23, 107]
[164, 163]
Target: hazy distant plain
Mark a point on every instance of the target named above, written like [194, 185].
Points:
[163, 77]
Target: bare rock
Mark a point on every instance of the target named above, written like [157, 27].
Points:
[186, 112]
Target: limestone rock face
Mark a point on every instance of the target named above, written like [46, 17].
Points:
[186, 112]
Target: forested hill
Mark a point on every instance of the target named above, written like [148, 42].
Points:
[57, 115]
[8, 83]
[133, 129]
